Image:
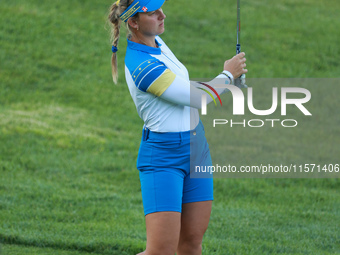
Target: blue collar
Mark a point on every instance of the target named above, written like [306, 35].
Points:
[141, 47]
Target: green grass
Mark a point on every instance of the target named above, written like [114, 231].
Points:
[18, 249]
[69, 138]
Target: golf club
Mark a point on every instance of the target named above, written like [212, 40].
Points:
[238, 32]
[240, 81]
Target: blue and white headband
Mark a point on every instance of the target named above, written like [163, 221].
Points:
[141, 6]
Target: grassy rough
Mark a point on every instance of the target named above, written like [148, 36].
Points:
[69, 138]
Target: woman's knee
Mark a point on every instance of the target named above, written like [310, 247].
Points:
[190, 244]
[166, 250]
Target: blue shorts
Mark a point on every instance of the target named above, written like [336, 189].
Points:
[165, 161]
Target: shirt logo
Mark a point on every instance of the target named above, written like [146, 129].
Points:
[145, 9]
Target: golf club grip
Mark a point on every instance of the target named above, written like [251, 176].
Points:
[238, 48]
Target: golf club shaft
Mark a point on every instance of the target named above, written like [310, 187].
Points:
[238, 35]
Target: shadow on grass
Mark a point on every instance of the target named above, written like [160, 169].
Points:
[125, 247]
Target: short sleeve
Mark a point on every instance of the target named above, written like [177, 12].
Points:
[153, 76]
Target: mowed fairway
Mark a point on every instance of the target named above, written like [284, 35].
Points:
[69, 137]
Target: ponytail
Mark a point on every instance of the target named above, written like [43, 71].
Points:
[115, 11]
[115, 20]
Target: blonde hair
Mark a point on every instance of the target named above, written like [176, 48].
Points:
[115, 11]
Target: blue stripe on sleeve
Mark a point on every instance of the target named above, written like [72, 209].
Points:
[147, 72]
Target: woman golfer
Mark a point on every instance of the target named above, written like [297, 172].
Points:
[177, 207]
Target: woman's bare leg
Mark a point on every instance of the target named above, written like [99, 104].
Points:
[162, 231]
[194, 222]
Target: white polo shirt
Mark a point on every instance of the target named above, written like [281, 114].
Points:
[149, 72]
[159, 84]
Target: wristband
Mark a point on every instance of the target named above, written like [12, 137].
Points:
[229, 75]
